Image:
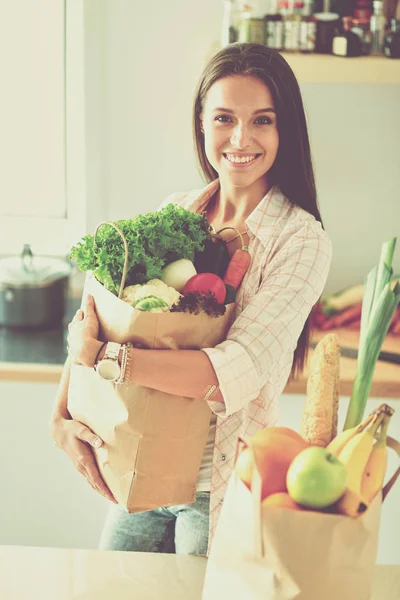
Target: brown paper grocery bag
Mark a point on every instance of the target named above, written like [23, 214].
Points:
[266, 553]
[154, 442]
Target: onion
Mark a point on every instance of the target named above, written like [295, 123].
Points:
[177, 273]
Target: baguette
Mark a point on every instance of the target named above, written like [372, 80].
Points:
[320, 414]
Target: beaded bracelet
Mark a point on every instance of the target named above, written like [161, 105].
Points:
[125, 360]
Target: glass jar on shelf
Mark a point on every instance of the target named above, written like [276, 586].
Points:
[274, 31]
[291, 25]
[308, 32]
[251, 28]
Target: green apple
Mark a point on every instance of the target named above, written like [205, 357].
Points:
[316, 478]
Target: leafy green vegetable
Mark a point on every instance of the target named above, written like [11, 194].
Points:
[149, 303]
[154, 240]
[197, 302]
[378, 307]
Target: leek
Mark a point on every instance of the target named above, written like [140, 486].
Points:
[378, 307]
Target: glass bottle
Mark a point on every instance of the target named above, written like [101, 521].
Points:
[377, 25]
[347, 43]
[364, 33]
[391, 46]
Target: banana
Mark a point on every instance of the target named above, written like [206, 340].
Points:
[338, 443]
[351, 504]
[356, 453]
[375, 470]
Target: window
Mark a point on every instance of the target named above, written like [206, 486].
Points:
[41, 66]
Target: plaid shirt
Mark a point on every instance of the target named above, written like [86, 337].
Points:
[290, 260]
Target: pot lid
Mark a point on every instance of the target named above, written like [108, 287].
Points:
[29, 270]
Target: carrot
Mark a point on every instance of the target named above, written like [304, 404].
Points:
[237, 268]
[238, 265]
[319, 418]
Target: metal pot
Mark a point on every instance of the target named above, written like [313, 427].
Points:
[33, 290]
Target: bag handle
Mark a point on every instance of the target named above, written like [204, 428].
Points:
[256, 488]
[125, 268]
[395, 445]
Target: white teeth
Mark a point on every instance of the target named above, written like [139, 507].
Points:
[240, 159]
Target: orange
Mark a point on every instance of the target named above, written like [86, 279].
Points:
[274, 449]
[281, 500]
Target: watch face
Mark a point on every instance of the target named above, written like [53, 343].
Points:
[109, 369]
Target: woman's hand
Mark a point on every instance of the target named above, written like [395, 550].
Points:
[83, 342]
[77, 441]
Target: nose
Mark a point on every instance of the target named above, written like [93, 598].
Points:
[240, 137]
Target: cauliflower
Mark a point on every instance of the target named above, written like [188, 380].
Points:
[153, 296]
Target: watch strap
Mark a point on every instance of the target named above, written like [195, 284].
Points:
[112, 350]
[96, 360]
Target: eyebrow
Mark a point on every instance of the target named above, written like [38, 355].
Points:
[256, 112]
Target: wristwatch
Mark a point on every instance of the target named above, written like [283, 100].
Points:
[108, 367]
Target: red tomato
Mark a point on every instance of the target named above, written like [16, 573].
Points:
[206, 282]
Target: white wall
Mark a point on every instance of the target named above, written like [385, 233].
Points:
[354, 133]
[45, 502]
[153, 57]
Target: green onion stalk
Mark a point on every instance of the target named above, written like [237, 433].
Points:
[378, 307]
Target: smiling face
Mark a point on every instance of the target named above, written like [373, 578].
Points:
[240, 130]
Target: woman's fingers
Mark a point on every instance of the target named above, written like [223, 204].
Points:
[86, 435]
[96, 481]
[77, 317]
[85, 461]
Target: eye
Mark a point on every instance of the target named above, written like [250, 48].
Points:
[222, 119]
[264, 121]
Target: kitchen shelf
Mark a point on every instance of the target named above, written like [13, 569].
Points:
[326, 68]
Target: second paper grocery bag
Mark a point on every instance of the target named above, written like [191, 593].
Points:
[268, 553]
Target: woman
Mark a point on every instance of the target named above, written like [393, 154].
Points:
[252, 143]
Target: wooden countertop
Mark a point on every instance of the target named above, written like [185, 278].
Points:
[386, 383]
[29, 573]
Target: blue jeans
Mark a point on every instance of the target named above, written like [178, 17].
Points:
[181, 529]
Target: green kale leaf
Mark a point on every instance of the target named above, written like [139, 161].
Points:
[154, 240]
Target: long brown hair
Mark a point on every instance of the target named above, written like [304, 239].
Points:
[292, 169]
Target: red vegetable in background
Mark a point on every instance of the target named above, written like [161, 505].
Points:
[206, 282]
[344, 318]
